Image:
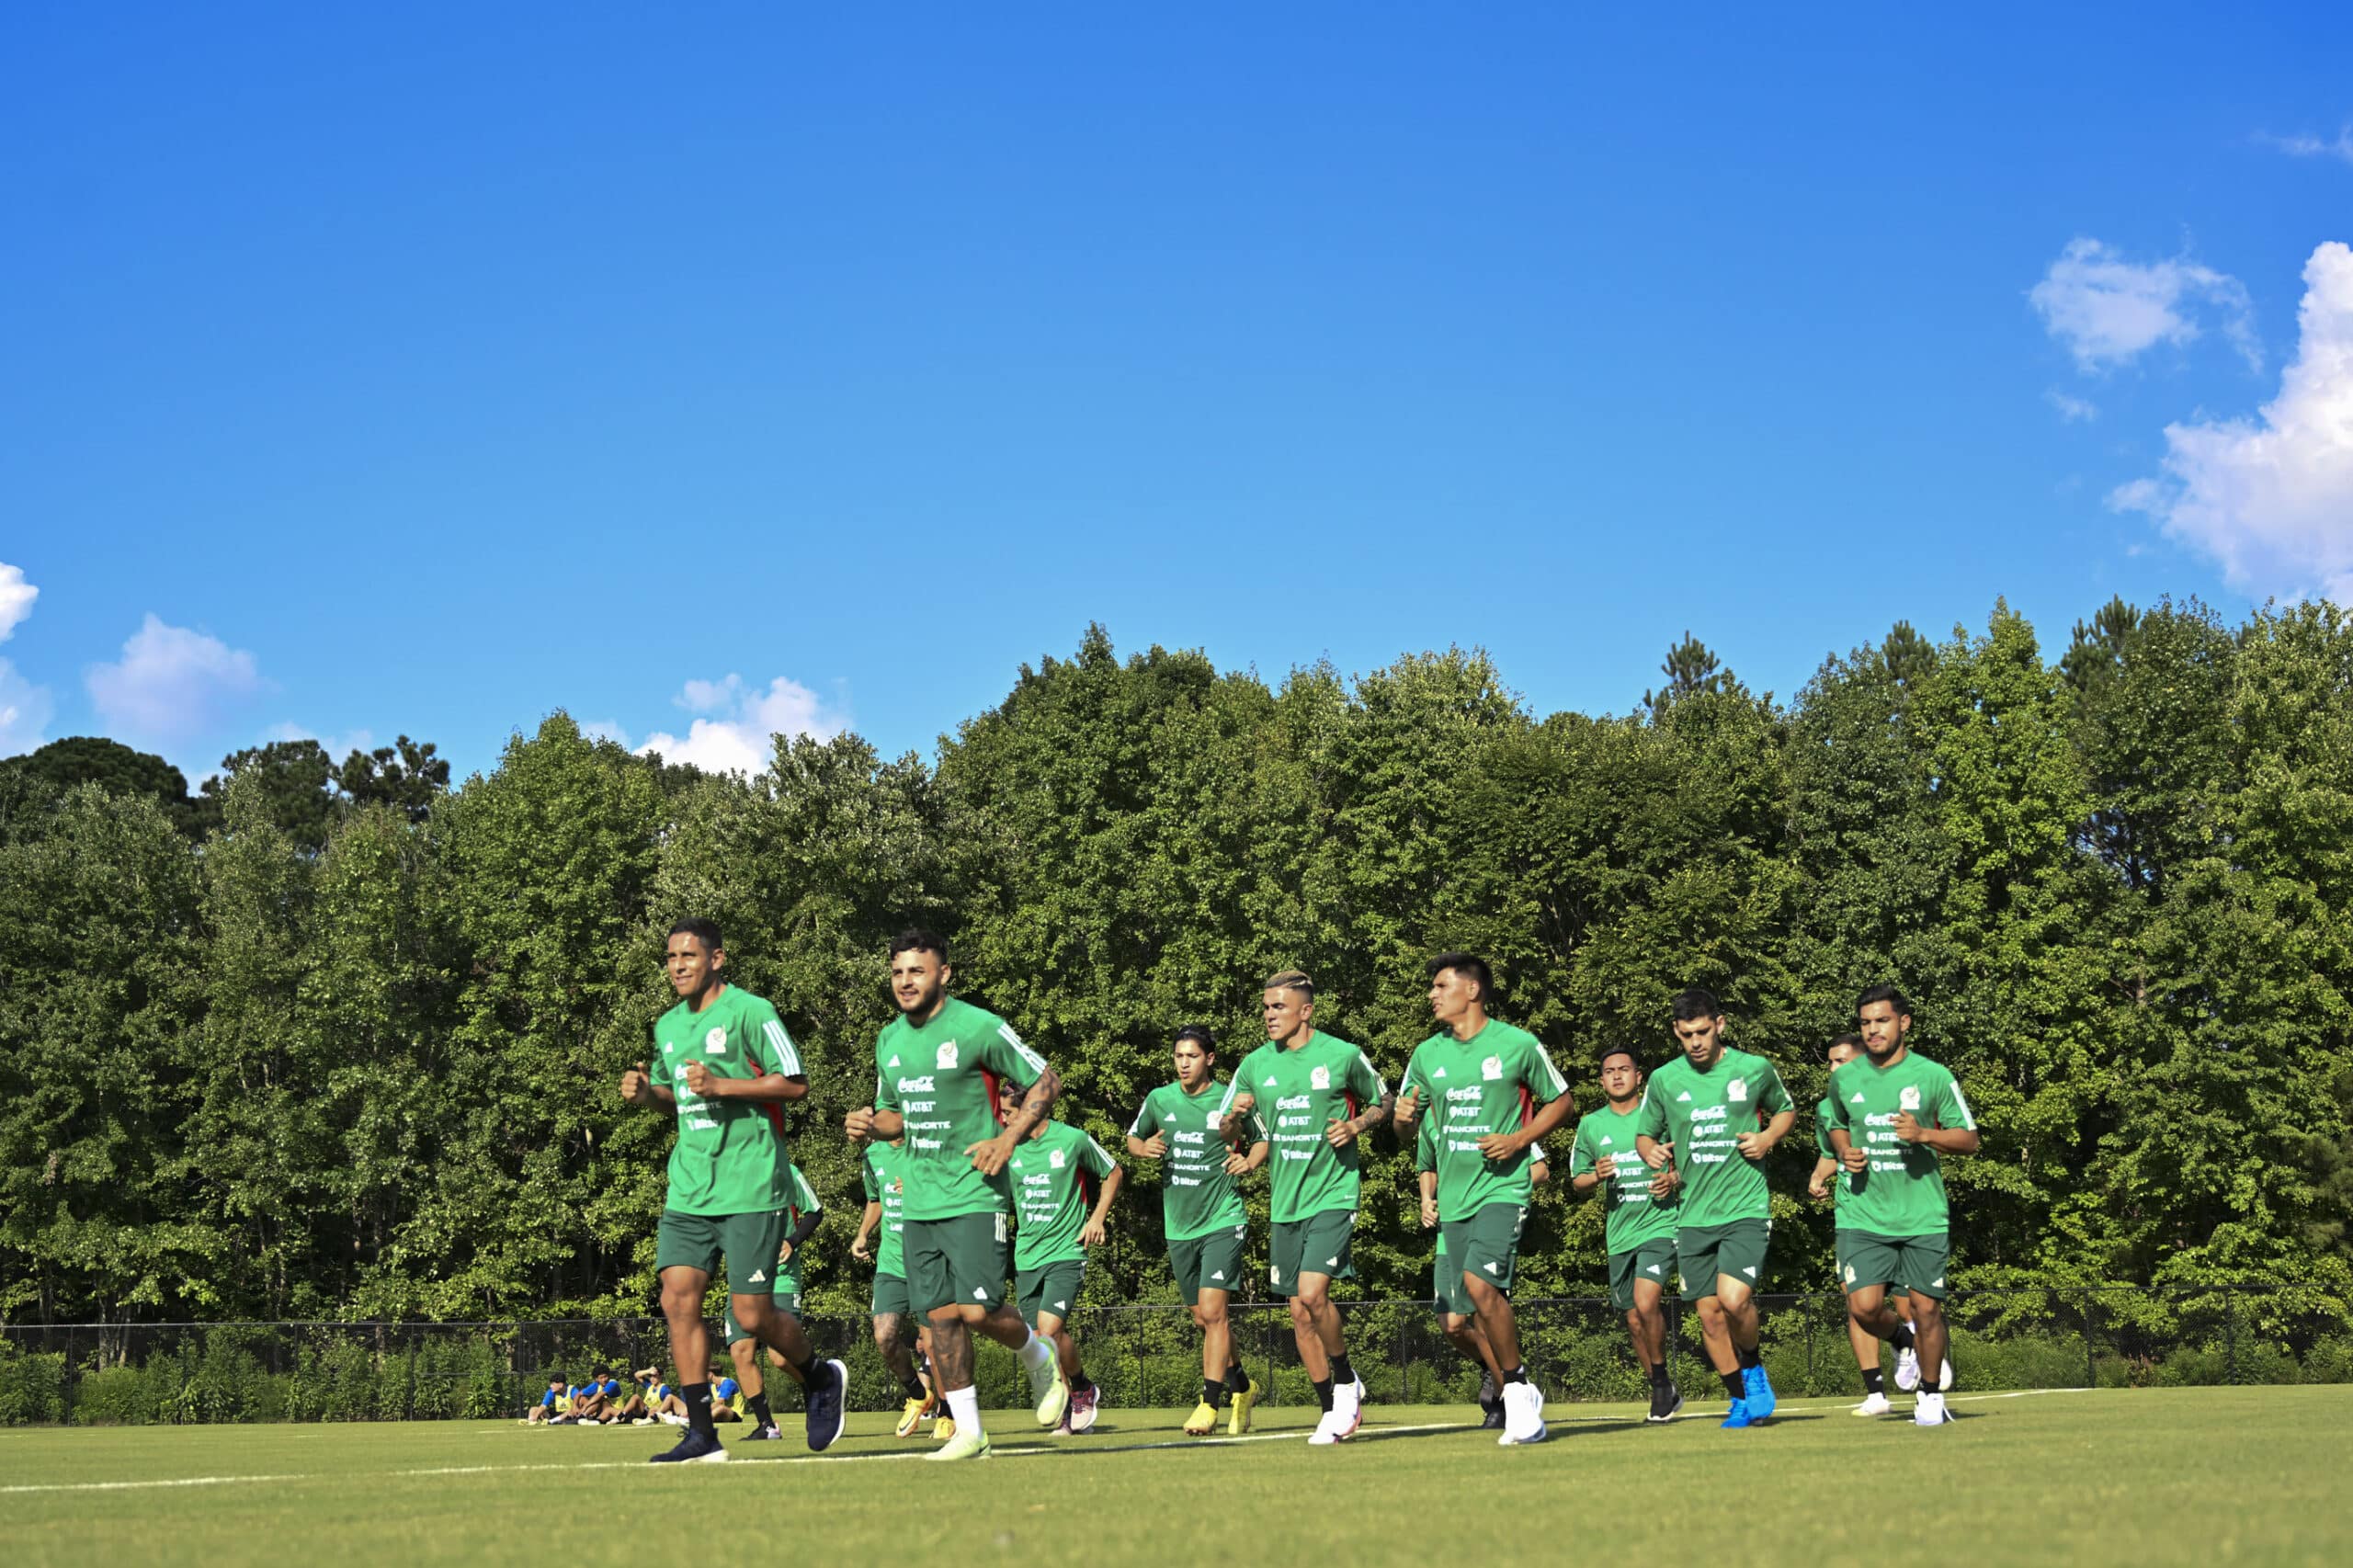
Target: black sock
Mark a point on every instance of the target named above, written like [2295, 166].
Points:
[1734, 1387]
[1237, 1377]
[698, 1398]
[1931, 1385]
[1079, 1384]
[1658, 1374]
[758, 1406]
[1213, 1393]
[1516, 1375]
[1747, 1357]
[1874, 1380]
[1341, 1371]
[1901, 1337]
[806, 1367]
[912, 1385]
[1323, 1395]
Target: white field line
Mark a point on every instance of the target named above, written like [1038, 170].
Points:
[1025, 1451]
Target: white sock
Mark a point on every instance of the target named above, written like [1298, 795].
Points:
[964, 1406]
[1037, 1352]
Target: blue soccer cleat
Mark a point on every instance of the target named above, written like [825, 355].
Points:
[1740, 1416]
[694, 1448]
[1760, 1392]
[828, 1381]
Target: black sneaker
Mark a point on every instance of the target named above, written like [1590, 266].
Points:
[827, 1381]
[771, 1433]
[1666, 1402]
[694, 1446]
[1492, 1420]
[1490, 1396]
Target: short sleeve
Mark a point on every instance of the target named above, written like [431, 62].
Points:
[865, 1177]
[1581, 1156]
[1097, 1158]
[1239, 1083]
[1003, 1052]
[805, 1197]
[1425, 1145]
[1147, 1121]
[1822, 1115]
[1543, 1080]
[1652, 1117]
[886, 1093]
[663, 1073]
[1774, 1097]
[771, 1047]
[1838, 1117]
[1415, 1083]
[1952, 1107]
[1364, 1082]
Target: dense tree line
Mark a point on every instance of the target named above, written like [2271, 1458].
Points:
[337, 1040]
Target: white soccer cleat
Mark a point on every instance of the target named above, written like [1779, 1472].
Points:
[1873, 1404]
[1944, 1374]
[1328, 1430]
[1523, 1415]
[1929, 1410]
[1907, 1369]
[1348, 1403]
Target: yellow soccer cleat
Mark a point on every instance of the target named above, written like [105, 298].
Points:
[1241, 1399]
[911, 1416]
[943, 1429]
[1053, 1393]
[1202, 1422]
[962, 1446]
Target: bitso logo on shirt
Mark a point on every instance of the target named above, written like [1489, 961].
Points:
[1321, 1078]
[946, 1054]
[1492, 1068]
[1738, 1089]
[715, 1042]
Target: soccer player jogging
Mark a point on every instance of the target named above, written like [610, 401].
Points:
[727, 1068]
[806, 1214]
[1202, 1221]
[1482, 1078]
[884, 1173]
[1702, 1110]
[1639, 1229]
[1828, 1182]
[1895, 1113]
[937, 1068]
[1055, 1172]
[1324, 1095]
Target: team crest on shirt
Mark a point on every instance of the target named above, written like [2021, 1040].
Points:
[1738, 1089]
[1492, 1069]
[1053, 1159]
[715, 1042]
[1321, 1078]
[1215, 1118]
[1909, 1099]
[946, 1054]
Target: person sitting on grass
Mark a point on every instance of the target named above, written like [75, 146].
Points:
[651, 1400]
[727, 1399]
[553, 1407]
[589, 1403]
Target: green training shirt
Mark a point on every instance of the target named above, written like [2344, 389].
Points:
[1841, 1181]
[1633, 1215]
[1902, 1193]
[1196, 1195]
[1054, 1174]
[1490, 1083]
[943, 1079]
[803, 1201]
[884, 1173]
[1701, 1114]
[729, 1157]
[1296, 1092]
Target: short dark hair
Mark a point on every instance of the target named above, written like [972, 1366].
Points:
[1625, 1051]
[1200, 1034]
[702, 929]
[1854, 1039]
[557, 1378]
[919, 939]
[1469, 964]
[1698, 1002]
[1883, 993]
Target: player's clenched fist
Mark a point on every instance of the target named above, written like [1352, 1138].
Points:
[636, 1087]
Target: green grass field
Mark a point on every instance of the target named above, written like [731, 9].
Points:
[2208, 1475]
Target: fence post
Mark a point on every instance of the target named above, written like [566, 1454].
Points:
[2230, 1333]
[1808, 1347]
[2091, 1361]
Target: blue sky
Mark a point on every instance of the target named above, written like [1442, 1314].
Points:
[430, 372]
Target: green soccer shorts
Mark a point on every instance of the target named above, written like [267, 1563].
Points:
[1446, 1283]
[1050, 1287]
[1486, 1246]
[748, 1241]
[1841, 1240]
[955, 1262]
[891, 1295]
[1317, 1245]
[787, 1301]
[1207, 1263]
[1652, 1260]
[1915, 1264]
[1735, 1250]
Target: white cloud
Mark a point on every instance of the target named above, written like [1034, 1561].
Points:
[2309, 146]
[172, 685]
[24, 712]
[338, 748]
[2108, 310]
[2271, 498]
[739, 739]
[2071, 408]
[605, 730]
[16, 598]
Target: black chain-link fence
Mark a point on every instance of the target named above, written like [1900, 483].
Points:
[1577, 1348]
